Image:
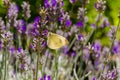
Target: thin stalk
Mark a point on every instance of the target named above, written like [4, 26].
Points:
[86, 75]
[72, 43]
[91, 34]
[3, 56]
[43, 71]
[114, 37]
[5, 64]
[55, 66]
[110, 50]
[37, 64]
[75, 74]
[93, 31]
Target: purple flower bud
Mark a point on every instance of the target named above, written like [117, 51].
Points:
[21, 26]
[80, 37]
[93, 25]
[49, 77]
[13, 10]
[54, 3]
[45, 32]
[19, 49]
[97, 46]
[68, 23]
[44, 43]
[22, 66]
[35, 32]
[94, 78]
[44, 77]
[116, 47]
[79, 24]
[105, 23]
[100, 5]
[65, 50]
[72, 1]
[36, 21]
[73, 54]
[1, 45]
[40, 79]
[26, 10]
[12, 50]
[60, 19]
[86, 54]
[46, 3]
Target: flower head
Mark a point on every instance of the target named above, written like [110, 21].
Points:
[100, 5]
[26, 10]
[13, 11]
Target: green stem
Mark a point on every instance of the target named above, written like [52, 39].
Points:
[43, 71]
[111, 47]
[5, 64]
[93, 31]
[56, 65]
[72, 43]
[3, 55]
[37, 64]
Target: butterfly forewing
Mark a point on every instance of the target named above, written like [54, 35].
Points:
[56, 41]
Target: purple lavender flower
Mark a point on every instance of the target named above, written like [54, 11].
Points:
[105, 23]
[12, 50]
[45, 33]
[7, 39]
[65, 19]
[1, 45]
[79, 24]
[21, 26]
[81, 15]
[22, 66]
[116, 47]
[65, 50]
[80, 37]
[46, 77]
[54, 3]
[49, 77]
[97, 64]
[112, 32]
[2, 25]
[86, 54]
[60, 19]
[73, 54]
[100, 5]
[46, 3]
[36, 21]
[97, 46]
[20, 50]
[29, 27]
[26, 10]
[13, 11]
[72, 1]
[93, 25]
[110, 75]
[94, 78]
[44, 43]
[68, 23]
[35, 32]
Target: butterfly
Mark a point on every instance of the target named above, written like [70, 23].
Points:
[55, 41]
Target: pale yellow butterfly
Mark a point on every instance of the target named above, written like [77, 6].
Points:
[55, 41]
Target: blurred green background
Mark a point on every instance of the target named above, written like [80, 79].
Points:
[111, 12]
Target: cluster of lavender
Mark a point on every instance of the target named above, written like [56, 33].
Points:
[23, 45]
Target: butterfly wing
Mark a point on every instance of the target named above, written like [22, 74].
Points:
[56, 41]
